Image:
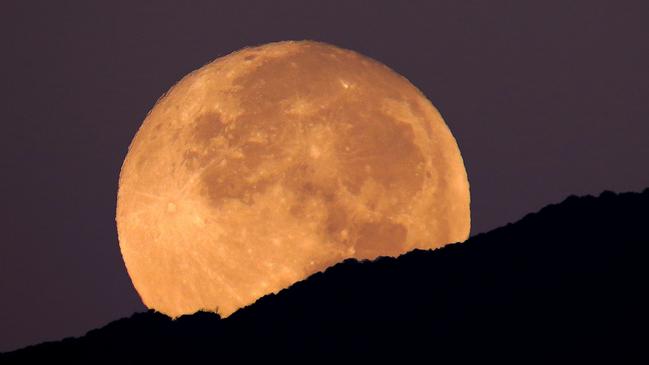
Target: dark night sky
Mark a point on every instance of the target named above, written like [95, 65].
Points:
[545, 98]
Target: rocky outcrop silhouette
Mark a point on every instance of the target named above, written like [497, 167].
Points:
[565, 283]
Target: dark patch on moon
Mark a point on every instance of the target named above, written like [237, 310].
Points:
[301, 180]
[337, 221]
[207, 126]
[239, 178]
[379, 238]
[384, 150]
[222, 184]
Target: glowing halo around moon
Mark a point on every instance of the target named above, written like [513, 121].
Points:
[275, 162]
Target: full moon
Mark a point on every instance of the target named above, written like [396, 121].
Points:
[274, 162]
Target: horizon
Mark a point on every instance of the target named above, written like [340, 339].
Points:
[344, 263]
[587, 248]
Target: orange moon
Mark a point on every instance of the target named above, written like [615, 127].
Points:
[274, 162]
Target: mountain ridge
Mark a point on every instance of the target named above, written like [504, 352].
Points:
[560, 280]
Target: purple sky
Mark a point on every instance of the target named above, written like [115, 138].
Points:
[546, 99]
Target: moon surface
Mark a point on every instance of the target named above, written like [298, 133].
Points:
[275, 162]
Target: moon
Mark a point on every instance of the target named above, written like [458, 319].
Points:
[274, 162]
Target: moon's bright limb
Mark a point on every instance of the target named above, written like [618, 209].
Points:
[274, 162]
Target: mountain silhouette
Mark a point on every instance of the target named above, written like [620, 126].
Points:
[565, 283]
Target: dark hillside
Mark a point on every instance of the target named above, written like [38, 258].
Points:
[568, 282]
